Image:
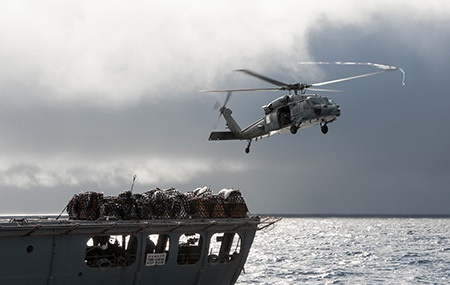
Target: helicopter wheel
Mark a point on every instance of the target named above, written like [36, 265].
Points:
[324, 129]
[247, 149]
[294, 129]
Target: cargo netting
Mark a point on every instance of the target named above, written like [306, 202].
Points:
[158, 204]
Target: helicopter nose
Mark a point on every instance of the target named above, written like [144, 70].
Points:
[337, 112]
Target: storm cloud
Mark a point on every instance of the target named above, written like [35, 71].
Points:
[93, 92]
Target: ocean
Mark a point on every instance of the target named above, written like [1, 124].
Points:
[351, 251]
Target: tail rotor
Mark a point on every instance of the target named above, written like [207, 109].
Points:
[218, 107]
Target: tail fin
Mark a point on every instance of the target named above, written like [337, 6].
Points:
[231, 123]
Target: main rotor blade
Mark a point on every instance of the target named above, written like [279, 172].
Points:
[303, 86]
[377, 65]
[347, 78]
[263, 77]
[325, 90]
[242, 90]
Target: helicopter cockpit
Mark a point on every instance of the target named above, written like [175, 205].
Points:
[317, 101]
[323, 106]
[314, 101]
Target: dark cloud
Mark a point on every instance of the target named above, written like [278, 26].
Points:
[100, 102]
[387, 153]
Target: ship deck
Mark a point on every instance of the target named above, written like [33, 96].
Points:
[23, 225]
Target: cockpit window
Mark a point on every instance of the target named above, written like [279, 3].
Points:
[325, 101]
[330, 102]
[315, 101]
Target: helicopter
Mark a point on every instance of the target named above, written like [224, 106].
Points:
[289, 113]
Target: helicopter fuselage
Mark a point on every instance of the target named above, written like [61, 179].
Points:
[300, 111]
[290, 112]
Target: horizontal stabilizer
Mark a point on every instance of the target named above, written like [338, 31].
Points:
[219, 136]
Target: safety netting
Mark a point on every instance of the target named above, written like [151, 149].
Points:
[158, 204]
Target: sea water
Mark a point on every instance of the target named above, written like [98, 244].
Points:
[351, 251]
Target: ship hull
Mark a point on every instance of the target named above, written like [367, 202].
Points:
[194, 251]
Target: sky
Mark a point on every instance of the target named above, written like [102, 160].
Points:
[94, 92]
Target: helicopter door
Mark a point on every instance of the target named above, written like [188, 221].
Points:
[272, 121]
[284, 116]
[298, 110]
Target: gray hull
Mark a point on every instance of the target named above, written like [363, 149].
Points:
[194, 251]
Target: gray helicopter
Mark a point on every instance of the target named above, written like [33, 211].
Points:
[291, 112]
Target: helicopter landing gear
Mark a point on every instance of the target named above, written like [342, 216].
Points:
[247, 149]
[324, 128]
[294, 129]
